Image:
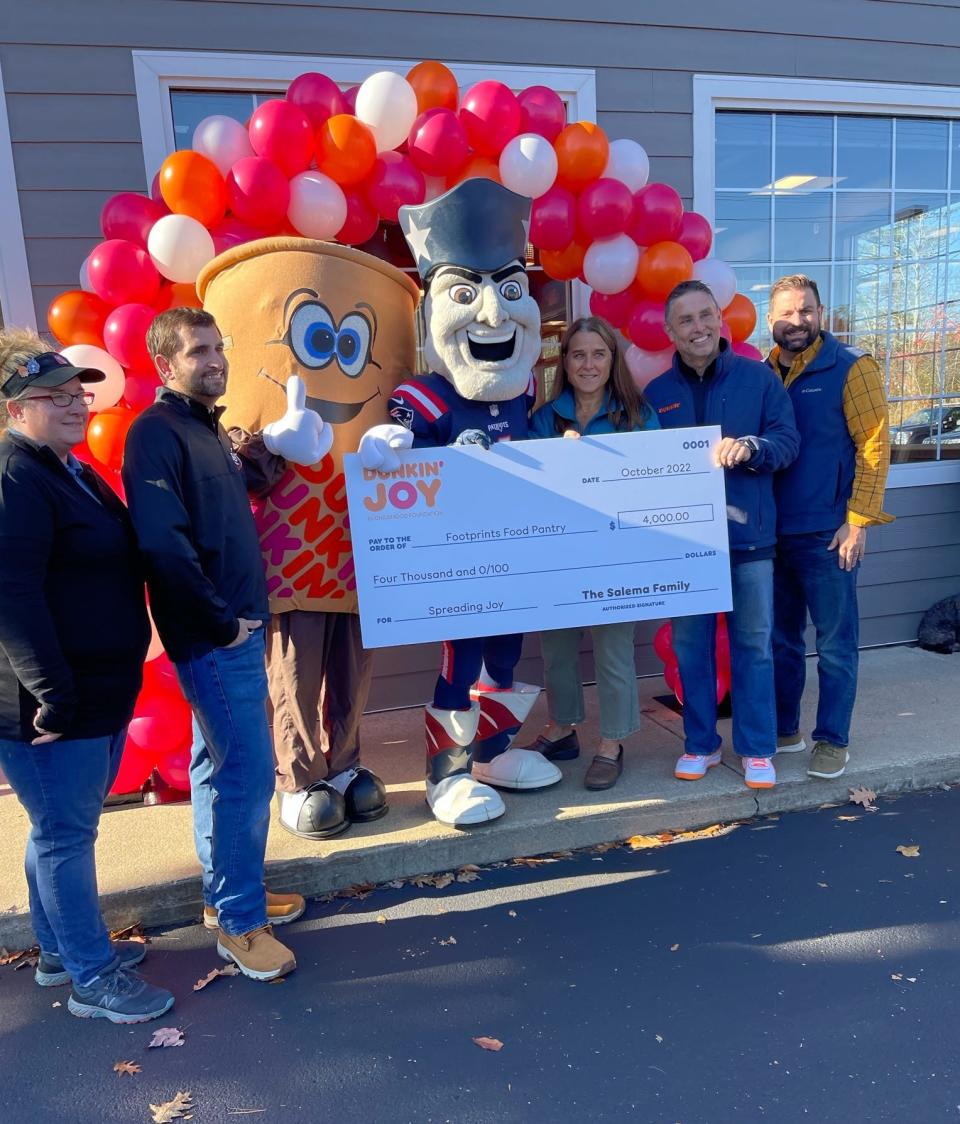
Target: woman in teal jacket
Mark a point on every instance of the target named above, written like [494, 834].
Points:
[595, 396]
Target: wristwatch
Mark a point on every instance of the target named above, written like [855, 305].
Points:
[752, 443]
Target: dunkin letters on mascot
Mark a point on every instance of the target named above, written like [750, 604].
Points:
[313, 326]
[482, 340]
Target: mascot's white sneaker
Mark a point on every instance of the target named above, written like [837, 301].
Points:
[461, 801]
[517, 769]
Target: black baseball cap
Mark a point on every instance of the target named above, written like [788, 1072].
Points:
[49, 369]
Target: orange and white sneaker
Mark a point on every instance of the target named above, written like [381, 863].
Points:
[281, 909]
[758, 772]
[694, 766]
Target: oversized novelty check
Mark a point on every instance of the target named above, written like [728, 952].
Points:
[532, 535]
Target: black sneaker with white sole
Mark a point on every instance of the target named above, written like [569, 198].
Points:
[122, 996]
[51, 972]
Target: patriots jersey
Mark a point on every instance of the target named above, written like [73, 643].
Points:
[436, 414]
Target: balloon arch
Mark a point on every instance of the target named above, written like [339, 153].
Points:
[331, 164]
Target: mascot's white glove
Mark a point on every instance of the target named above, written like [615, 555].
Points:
[379, 444]
[300, 435]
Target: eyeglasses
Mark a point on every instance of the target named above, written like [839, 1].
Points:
[62, 399]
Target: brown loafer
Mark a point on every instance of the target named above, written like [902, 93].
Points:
[603, 773]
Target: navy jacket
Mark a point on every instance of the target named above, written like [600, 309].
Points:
[431, 408]
[746, 399]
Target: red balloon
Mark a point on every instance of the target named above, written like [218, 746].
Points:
[130, 216]
[615, 308]
[136, 764]
[663, 642]
[155, 193]
[695, 235]
[258, 192]
[106, 433]
[541, 111]
[123, 273]
[77, 316]
[174, 767]
[671, 674]
[645, 326]
[657, 214]
[140, 389]
[394, 183]
[281, 131]
[362, 220]
[318, 96]
[124, 334]
[553, 219]
[159, 730]
[747, 350]
[490, 114]
[438, 143]
[231, 231]
[604, 208]
[160, 677]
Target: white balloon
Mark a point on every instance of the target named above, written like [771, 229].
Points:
[85, 275]
[318, 207]
[720, 278]
[644, 366]
[180, 247]
[528, 165]
[628, 163]
[387, 105]
[107, 393]
[610, 264]
[222, 140]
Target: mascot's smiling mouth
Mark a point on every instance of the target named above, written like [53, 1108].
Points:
[336, 413]
[493, 347]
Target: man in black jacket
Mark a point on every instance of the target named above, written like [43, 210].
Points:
[187, 492]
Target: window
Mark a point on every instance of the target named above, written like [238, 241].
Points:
[16, 297]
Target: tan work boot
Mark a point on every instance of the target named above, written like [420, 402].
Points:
[281, 910]
[257, 954]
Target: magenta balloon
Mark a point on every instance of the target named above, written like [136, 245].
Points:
[657, 214]
[318, 96]
[438, 143]
[695, 235]
[645, 326]
[748, 351]
[394, 182]
[350, 99]
[124, 335]
[490, 114]
[615, 308]
[231, 231]
[362, 220]
[123, 273]
[542, 111]
[130, 216]
[663, 642]
[604, 208]
[553, 219]
[281, 131]
[259, 193]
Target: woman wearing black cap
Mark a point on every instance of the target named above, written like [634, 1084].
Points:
[73, 635]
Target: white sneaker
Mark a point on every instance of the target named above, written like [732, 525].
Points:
[694, 766]
[517, 769]
[462, 801]
[758, 772]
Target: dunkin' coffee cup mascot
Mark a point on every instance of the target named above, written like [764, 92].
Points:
[341, 321]
[482, 340]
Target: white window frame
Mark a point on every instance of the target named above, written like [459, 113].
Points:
[16, 294]
[156, 73]
[812, 95]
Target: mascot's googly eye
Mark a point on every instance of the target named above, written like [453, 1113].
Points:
[463, 294]
[312, 335]
[353, 344]
[511, 290]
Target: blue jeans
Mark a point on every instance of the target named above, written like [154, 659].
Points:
[231, 778]
[806, 576]
[62, 786]
[751, 668]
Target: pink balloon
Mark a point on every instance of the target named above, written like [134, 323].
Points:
[541, 111]
[490, 114]
[748, 351]
[657, 214]
[155, 194]
[140, 389]
[280, 131]
[645, 366]
[553, 219]
[362, 220]
[231, 231]
[438, 143]
[604, 208]
[350, 99]
[615, 308]
[123, 273]
[124, 335]
[393, 183]
[695, 235]
[129, 216]
[259, 193]
[318, 96]
[725, 331]
[645, 326]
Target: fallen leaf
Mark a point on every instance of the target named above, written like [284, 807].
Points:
[381, 920]
[177, 1109]
[511, 913]
[848, 819]
[132, 932]
[488, 1043]
[28, 961]
[397, 883]
[468, 873]
[911, 979]
[602, 848]
[909, 850]
[20, 954]
[278, 979]
[449, 940]
[442, 881]
[659, 1037]
[226, 970]
[862, 796]
[561, 854]
[536, 860]
[824, 885]
[674, 947]
[166, 1036]
[126, 1069]
[57, 1004]
[663, 838]
[363, 890]
[897, 976]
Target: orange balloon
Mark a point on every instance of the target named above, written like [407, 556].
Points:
[564, 265]
[106, 434]
[434, 85]
[476, 168]
[662, 267]
[77, 316]
[346, 150]
[582, 150]
[178, 294]
[741, 315]
[192, 185]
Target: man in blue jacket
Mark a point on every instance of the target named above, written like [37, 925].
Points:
[709, 384]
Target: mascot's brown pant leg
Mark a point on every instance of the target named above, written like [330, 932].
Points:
[319, 678]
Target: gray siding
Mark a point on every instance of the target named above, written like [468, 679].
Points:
[75, 131]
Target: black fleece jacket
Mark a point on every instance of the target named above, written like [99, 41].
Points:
[73, 621]
[187, 493]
